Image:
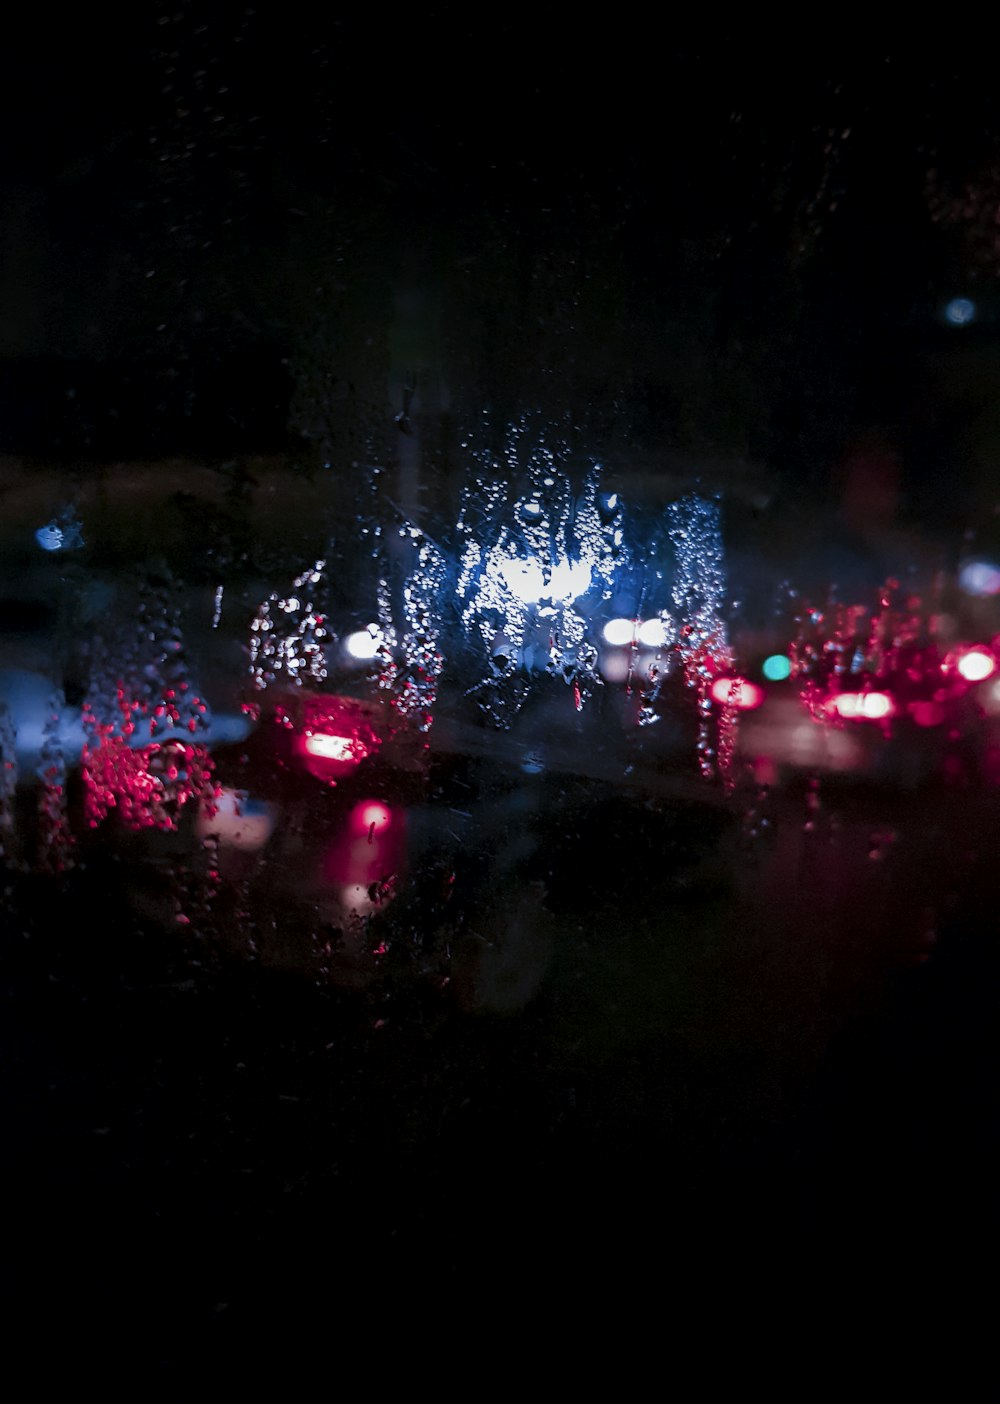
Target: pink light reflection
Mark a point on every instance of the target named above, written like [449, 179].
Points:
[926, 713]
[337, 748]
[370, 814]
[367, 848]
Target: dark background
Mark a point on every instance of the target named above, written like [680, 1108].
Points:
[227, 229]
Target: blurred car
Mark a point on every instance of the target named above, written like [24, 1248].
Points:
[339, 802]
[920, 715]
[320, 789]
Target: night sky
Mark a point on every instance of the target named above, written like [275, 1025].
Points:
[228, 229]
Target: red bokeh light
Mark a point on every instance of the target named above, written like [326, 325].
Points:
[336, 735]
[926, 713]
[371, 815]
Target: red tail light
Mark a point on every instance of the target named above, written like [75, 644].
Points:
[337, 734]
[336, 748]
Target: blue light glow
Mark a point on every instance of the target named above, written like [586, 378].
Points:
[50, 537]
[776, 668]
[960, 311]
[980, 578]
[64, 532]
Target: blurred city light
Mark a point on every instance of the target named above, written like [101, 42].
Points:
[976, 664]
[370, 817]
[777, 668]
[654, 633]
[364, 644]
[336, 748]
[619, 632]
[616, 667]
[863, 706]
[650, 633]
[960, 311]
[980, 578]
[50, 538]
[237, 821]
[737, 692]
[337, 734]
[526, 580]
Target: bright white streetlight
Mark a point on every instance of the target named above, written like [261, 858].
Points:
[365, 644]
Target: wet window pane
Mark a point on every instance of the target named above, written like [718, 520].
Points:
[500, 690]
